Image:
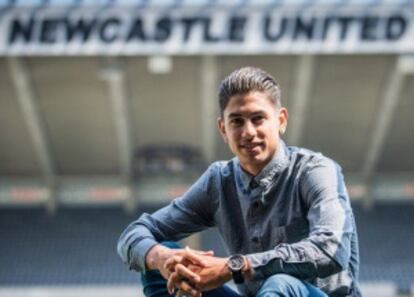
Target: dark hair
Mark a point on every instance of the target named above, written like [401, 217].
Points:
[245, 80]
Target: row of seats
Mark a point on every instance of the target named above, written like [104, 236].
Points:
[75, 246]
[387, 243]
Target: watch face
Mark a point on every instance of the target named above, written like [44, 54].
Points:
[236, 262]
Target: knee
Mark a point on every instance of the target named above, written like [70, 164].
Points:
[280, 285]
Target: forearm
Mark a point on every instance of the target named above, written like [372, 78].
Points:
[134, 244]
[190, 213]
[146, 232]
[304, 260]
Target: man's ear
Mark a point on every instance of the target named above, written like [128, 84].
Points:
[283, 119]
[222, 128]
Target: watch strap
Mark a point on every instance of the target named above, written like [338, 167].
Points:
[238, 277]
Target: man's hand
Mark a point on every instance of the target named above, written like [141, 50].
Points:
[158, 255]
[192, 279]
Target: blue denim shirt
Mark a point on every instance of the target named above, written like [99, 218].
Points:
[296, 219]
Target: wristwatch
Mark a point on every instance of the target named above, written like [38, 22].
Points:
[236, 264]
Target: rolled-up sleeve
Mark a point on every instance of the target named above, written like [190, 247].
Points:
[190, 213]
[327, 248]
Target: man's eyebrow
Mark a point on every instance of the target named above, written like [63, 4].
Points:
[237, 114]
[256, 113]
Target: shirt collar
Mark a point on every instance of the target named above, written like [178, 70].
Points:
[264, 177]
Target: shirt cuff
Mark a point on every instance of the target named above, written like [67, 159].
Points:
[263, 266]
[138, 254]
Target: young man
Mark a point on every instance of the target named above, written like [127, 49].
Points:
[283, 212]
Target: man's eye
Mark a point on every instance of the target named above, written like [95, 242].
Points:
[236, 122]
[258, 119]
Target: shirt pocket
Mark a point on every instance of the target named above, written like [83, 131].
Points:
[297, 230]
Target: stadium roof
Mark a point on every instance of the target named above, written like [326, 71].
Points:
[82, 116]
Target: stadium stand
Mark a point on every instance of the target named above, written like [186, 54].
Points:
[75, 246]
[78, 246]
[386, 244]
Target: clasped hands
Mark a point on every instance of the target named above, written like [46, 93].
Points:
[189, 272]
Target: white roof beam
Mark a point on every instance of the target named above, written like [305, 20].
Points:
[209, 110]
[384, 118]
[34, 122]
[385, 115]
[300, 97]
[114, 75]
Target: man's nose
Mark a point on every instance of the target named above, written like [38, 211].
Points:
[249, 130]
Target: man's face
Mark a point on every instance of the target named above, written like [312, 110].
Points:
[250, 126]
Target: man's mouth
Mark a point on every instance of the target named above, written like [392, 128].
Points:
[251, 146]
